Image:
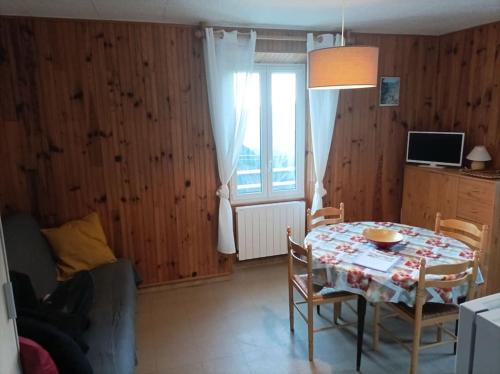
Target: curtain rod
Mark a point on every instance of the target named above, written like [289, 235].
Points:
[290, 38]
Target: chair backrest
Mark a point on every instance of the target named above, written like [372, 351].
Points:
[298, 254]
[325, 216]
[466, 232]
[451, 275]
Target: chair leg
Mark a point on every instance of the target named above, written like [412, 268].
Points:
[439, 333]
[310, 327]
[376, 327]
[416, 347]
[291, 307]
[337, 311]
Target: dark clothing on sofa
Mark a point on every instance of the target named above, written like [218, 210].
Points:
[74, 296]
[24, 293]
[66, 354]
[66, 308]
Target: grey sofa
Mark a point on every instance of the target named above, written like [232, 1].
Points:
[111, 336]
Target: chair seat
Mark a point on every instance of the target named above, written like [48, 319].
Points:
[301, 280]
[429, 310]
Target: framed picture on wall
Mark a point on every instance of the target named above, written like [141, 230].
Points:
[389, 91]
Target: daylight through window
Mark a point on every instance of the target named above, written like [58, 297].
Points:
[271, 163]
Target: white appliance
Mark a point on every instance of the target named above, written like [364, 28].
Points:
[9, 362]
[479, 336]
[486, 353]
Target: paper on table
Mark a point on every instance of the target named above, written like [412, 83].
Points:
[376, 260]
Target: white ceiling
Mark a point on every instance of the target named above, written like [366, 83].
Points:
[431, 17]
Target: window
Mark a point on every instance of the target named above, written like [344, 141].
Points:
[271, 163]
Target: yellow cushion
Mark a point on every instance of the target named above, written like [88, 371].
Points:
[79, 245]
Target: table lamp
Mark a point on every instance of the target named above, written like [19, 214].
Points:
[479, 155]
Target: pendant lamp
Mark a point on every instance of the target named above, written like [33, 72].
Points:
[344, 67]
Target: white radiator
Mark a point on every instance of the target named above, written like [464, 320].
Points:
[261, 229]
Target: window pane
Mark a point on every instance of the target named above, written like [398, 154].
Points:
[249, 170]
[283, 92]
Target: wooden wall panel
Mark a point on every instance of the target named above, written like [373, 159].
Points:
[448, 83]
[112, 117]
[468, 90]
[366, 163]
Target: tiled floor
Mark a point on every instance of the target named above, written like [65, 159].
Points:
[241, 326]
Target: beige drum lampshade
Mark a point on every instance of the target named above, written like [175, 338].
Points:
[344, 67]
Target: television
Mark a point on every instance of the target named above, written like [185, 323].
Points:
[435, 148]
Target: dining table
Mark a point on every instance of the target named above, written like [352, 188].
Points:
[338, 250]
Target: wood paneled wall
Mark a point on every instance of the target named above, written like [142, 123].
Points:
[112, 117]
[448, 83]
[468, 90]
[365, 168]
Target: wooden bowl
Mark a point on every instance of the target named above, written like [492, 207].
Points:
[383, 238]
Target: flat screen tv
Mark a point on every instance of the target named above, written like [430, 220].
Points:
[435, 148]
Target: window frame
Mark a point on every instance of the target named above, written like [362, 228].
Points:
[266, 140]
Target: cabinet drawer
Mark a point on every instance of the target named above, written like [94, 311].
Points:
[475, 211]
[482, 192]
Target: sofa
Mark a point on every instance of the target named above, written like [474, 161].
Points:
[111, 335]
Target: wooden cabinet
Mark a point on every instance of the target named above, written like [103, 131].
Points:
[428, 191]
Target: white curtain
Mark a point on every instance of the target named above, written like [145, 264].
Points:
[229, 62]
[322, 110]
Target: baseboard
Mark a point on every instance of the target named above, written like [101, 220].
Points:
[180, 283]
[260, 262]
[207, 279]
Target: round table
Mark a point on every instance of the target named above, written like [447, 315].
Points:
[336, 248]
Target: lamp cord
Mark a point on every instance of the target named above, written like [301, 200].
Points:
[343, 9]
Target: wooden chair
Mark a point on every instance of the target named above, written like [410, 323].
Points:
[321, 217]
[303, 283]
[429, 314]
[466, 232]
[325, 216]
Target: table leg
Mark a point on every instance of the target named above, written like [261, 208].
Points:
[361, 328]
[456, 334]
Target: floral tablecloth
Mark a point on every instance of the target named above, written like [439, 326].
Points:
[335, 248]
